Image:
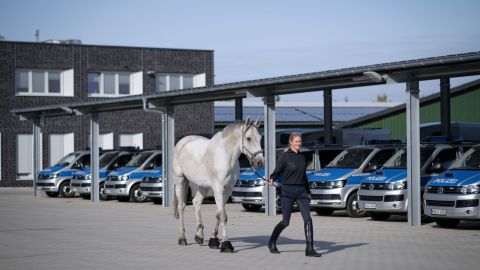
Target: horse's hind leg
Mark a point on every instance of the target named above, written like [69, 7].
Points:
[180, 191]
[197, 204]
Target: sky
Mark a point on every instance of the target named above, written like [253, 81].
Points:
[255, 39]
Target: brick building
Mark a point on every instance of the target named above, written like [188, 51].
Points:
[36, 74]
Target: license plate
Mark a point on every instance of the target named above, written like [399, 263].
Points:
[314, 202]
[369, 205]
[439, 212]
[107, 191]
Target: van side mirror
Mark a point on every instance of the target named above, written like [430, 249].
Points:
[436, 167]
[372, 167]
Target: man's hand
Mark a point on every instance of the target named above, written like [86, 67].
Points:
[309, 197]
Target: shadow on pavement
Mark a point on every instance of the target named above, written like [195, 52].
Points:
[253, 242]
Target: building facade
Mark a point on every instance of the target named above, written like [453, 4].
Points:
[36, 74]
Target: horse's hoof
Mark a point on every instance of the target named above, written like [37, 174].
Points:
[226, 247]
[182, 242]
[214, 243]
[198, 240]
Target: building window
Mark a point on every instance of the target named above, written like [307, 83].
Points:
[36, 82]
[59, 146]
[113, 84]
[167, 82]
[135, 140]
[24, 156]
[105, 141]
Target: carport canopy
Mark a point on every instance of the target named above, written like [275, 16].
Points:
[408, 72]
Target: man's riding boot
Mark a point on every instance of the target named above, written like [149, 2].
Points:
[310, 251]
[272, 243]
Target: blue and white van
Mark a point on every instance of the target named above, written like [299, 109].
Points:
[124, 183]
[384, 193]
[152, 186]
[55, 180]
[335, 186]
[109, 161]
[249, 188]
[454, 195]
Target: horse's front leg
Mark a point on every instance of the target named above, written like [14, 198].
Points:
[221, 217]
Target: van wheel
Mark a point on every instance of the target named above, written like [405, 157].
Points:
[324, 211]
[447, 222]
[353, 208]
[65, 190]
[157, 200]
[123, 198]
[378, 216]
[101, 192]
[136, 194]
[51, 194]
[251, 207]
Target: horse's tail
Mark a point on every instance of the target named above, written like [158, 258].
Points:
[175, 198]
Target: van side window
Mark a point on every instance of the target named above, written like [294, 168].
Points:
[446, 157]
[379, 159]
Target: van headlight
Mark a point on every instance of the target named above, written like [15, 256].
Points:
[397, 185]
[470, 189]
[54, 175]
[123, 177]
[336, 184]
[88, 177]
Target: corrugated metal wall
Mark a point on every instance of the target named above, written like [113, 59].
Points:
[465, 107]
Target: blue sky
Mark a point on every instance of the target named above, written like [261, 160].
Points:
[260, 39]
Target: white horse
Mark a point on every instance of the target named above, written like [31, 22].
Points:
[213, 164]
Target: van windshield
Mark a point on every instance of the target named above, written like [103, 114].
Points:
[138, 160]
[350, 158]
[399, 160]
[67, 160]
[469, 161]
[106, 158]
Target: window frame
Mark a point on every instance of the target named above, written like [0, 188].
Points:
[168, 82]
[46, 82]
[101, 82]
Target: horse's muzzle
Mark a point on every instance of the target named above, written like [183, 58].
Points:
[258, 161]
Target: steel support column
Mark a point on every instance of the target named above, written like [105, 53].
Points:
[269, 194]
[327, 116]
[38, 124]
[413, 152]
[94, 157]
[445, 106]
[168, 145]
[239, 109]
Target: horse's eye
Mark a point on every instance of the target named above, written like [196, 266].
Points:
[249, 139]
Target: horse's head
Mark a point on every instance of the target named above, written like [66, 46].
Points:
[251, 143]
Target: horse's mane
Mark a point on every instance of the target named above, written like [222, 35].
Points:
[230, 128]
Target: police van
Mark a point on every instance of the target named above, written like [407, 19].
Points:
[124, 183]
[55, 180]
[335, 186]
[454, 195]
[249, 188]
[384, 193]
[109, 161]
[152, 186]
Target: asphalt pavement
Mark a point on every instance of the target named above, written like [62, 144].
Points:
[56, 233]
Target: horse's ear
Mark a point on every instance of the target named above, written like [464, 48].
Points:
[248, 122]
[257, 122]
